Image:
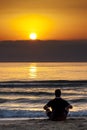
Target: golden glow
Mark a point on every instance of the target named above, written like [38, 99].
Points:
[33, 36]
[63, 19]
[21, 26]
[49, 19]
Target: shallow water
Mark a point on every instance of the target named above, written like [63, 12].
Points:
[28, 100]
[30, 85]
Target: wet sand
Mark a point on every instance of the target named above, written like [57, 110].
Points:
[73, 123]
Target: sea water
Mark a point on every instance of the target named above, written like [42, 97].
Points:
[26, 87]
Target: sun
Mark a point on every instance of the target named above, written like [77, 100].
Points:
[33, 36]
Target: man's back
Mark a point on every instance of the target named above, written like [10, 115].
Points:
[58, 105]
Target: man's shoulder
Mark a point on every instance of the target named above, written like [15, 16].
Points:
[64, 101]
[61, 99]
[51, 101]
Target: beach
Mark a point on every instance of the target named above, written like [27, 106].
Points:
[25, 88]
[74, 123]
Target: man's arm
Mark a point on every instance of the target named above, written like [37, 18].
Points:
[45, 107]
[68, 107]
[48, 106]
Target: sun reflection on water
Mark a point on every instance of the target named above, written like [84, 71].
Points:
[33, 71]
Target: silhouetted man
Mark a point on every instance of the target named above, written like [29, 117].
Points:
[58, 108]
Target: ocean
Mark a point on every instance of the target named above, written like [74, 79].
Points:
[26, 87]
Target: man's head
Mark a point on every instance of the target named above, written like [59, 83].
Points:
[57, 92]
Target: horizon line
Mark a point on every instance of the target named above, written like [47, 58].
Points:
[43, 40]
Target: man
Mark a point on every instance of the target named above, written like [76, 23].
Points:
[58, 108]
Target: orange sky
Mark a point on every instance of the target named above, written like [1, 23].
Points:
[49, 19]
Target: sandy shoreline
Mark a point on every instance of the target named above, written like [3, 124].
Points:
[73, 123]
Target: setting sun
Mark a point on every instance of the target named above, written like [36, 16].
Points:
[33, 36]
